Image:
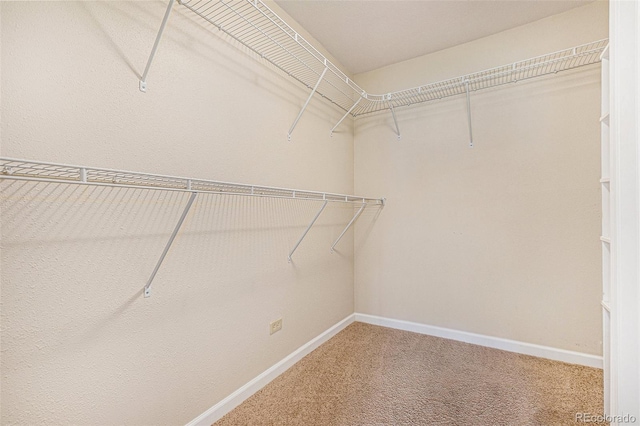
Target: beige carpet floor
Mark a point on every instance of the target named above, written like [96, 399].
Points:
[370, 375]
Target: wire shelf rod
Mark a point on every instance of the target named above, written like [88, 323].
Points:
[37, 171]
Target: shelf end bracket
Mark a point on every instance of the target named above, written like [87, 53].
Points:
[293, 126]
[353, 220]
[147, 287]
[143, 79]
[304, 234]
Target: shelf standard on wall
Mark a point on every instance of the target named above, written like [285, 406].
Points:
[38, 171]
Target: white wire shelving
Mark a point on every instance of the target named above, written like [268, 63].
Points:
[254, 25]
[551, 63]
[16, 169]
[38, 171]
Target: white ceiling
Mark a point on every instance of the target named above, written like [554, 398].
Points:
[365, 35]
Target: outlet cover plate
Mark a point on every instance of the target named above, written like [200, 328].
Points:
[275, 326]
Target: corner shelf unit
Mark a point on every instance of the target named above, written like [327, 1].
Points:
[255, 26]
[608, 234]
[37, 171]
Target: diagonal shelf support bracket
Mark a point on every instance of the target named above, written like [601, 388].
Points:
[395, 119]
[293, 126]
[143, 80]
[307, 230]
[357, 215]
[147, 287]
[466, 88]
[345, 116]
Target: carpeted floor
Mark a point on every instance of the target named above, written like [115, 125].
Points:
[370, 375]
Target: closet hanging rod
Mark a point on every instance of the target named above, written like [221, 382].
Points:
[38, 171]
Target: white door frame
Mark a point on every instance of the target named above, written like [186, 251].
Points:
[624, 29]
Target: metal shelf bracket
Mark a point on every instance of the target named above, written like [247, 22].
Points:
[466, 88]
[345, 116]
[395, 120]
[355, 217]
[143, 80]
[304, 234]
[313, 91]
[147, 287]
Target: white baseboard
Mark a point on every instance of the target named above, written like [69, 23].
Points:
[216, 412]
[491, 342]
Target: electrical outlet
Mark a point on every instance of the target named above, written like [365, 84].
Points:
[275, 326]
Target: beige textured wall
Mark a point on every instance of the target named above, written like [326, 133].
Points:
[80, 345]
[501, 239]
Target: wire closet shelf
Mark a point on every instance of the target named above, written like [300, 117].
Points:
[27, 170]
[37, 171]
[257, 27]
